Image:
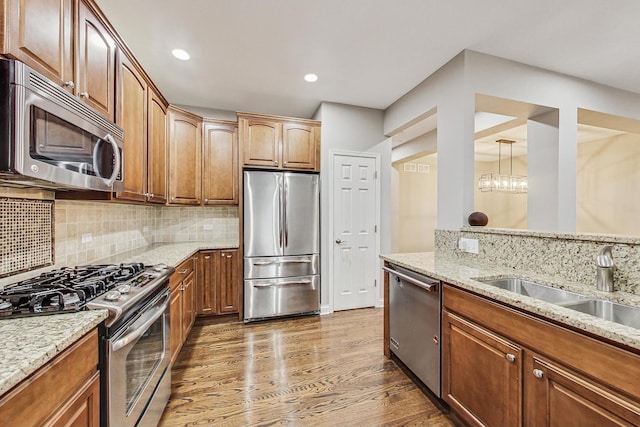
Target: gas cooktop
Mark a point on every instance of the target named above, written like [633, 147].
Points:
[64, 290]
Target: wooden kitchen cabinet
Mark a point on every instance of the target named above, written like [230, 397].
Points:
[40, 34]
[156, 149]
[558, 396]
[563, 378]
[481, 374]
[220, 162]
[77, 54]
[132, 118]
[66, 391]
[218, 285]
[181, 306]
[96, 62]
[276, 142]
[185, 148]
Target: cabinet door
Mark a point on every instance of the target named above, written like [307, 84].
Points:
[96, 63]
[175, 325]
[261, 144]
[227, 286]
[220, 164]
[40, 34]
[132, 117]
[83, 409]
[184, 159]
[156, 149]
[299, 146]
[481, 374]
[205, 285]
[188, 306]
[556, 396]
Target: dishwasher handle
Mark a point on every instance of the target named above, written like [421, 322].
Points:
[430, 287]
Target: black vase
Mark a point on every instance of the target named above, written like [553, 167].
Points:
[478, 219]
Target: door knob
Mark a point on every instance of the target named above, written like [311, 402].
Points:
[338, 241]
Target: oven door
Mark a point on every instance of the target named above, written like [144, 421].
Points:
[137, 358]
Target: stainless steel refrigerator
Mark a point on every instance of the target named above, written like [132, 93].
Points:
[281, 244]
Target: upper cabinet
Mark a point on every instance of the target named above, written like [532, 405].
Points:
[185, 147]
[220, 162]
[279, 142]
[157, 149]
[96, 62]
[81, 58]
[132, 117]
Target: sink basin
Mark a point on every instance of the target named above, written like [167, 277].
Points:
[536, 290]
[614, 312]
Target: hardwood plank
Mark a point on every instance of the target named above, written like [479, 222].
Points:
[322, 370]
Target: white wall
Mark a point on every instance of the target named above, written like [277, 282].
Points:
[452, 91]
[350, 128]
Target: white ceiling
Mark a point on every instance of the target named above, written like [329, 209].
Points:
[251, 55]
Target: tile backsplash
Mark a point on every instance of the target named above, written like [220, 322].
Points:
[89, 231]
[26, 232]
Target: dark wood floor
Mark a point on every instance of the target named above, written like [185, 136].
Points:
[314, 371]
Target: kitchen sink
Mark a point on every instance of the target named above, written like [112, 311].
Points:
[536, 290]
[614, 312]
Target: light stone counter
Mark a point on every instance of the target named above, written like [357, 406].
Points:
[465, 273]
[30, 342]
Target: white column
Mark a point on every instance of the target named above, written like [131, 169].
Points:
[551, 158]
[456, 182]
[543, 172]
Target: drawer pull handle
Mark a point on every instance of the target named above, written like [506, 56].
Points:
[510, 357]
[538, 373]
[185, 271]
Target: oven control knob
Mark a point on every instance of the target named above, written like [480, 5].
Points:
[124, 289]
[112, 296]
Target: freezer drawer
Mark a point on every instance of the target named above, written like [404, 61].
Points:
[272, 267]
[414, 325]
[265, 298]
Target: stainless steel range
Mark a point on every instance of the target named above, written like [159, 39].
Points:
[134, 344]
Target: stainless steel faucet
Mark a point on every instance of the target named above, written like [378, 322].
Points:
[604, 270]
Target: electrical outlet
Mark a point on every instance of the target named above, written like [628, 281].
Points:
[207, 226]
[87, 237]
[468, 245]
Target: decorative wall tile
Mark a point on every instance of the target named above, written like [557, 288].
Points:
[26, 234]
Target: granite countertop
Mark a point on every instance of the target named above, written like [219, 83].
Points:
[464, 274]
[30, 342]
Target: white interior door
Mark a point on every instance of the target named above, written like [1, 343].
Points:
[354, 228]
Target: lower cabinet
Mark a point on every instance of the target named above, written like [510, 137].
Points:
[504, 367]
[64, 392]
[181, 306]
[217, 291]
[482, 373]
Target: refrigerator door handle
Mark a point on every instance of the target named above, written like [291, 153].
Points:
[286, 261]
[268, 285]
[282, 205]
[284, 210]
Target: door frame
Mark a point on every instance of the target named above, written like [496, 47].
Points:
[333, 153]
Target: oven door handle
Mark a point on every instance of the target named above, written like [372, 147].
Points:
[146, 322]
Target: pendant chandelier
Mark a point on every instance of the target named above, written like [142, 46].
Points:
[505, 183]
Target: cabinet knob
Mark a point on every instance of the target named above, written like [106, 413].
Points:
[538, 373]
[84, 94]
[206, 200]
[173, 199]
[151, 195]
[70, 84]
[510, 357]
[276, 163]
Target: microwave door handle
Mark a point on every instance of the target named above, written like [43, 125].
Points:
[116, 155]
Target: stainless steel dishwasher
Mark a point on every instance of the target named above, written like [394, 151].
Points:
[414, 323]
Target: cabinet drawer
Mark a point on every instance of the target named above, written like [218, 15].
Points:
[181, 273]
[34, 400]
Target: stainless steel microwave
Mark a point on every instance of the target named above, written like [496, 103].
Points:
[50, 139]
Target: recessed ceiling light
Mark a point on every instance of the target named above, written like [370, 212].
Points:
[311, 77]
[181, 54]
